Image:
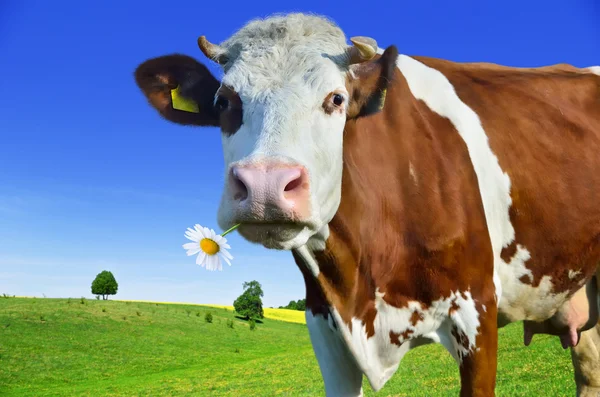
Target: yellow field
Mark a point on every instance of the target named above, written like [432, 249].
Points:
[291, 316]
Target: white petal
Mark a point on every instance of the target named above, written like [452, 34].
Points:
[193, 251]
[190, 246]
[216, 262]
[189, 236]
[199, 231]
[209, 233]
[211, 262]
[193, 235]
[225, 246]
[226, 254]
[206, 232]
[201, 259]
[226, 260]
[208, 262]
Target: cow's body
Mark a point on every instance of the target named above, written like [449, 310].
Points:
[468, 201]
[432, 171]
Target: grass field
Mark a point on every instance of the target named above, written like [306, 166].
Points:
[60, 347]
[291, 316]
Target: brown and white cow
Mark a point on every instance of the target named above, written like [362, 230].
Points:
[423, 200]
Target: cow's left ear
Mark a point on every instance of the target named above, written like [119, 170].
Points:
[180, 88]
[367, 83]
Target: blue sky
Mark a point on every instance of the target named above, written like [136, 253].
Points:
[91, 178]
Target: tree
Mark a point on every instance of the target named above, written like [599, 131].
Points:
[292, 305]
[105, 284]
[295, 305]
[249, 304]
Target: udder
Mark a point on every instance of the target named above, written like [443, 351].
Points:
[578, 314]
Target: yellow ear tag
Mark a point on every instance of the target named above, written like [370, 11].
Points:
[382, 101]
[181, 103]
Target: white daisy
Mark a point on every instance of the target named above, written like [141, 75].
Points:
[209, 246]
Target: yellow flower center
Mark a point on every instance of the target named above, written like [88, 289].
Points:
[209, 246]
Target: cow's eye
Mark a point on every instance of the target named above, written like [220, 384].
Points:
[221, 103]
[338, 100]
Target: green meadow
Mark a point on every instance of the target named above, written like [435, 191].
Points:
[70, 347]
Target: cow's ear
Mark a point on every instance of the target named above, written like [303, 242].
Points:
[180, 88]
[367, 83]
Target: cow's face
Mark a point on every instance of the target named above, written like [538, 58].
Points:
[287, 91]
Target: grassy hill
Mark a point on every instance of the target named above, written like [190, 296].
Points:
[61, 347]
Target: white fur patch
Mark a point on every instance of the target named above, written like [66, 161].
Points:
[573, 274]
[433, 88]
[595, 69]
[316, 242]
[411, 171]
[309, 260]
[341, 375]
[379, 358]
[278, 70]
[522, 301]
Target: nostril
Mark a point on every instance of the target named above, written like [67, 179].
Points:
[296, 181]
[238, 187]
[293, 185]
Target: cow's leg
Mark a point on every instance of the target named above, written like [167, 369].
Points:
[341, 375]
[586, 362]
[478, 363]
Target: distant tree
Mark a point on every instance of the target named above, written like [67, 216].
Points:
[292, 305]
[105, 284]
[249, 304]
[295, 305]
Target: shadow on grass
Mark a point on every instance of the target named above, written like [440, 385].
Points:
[245, 319]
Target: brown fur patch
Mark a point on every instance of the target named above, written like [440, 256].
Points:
[230, 118]
[156, 78]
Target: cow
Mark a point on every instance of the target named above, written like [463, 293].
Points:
[423, 200]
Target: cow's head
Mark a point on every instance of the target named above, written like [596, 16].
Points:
[290, 85]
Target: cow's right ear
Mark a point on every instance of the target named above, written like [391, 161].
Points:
[368, 83]
[180, 88]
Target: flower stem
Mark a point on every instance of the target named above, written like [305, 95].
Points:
[231, 229]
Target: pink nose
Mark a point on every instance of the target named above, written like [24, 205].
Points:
[282, 187]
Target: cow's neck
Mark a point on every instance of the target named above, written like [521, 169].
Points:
[358, 242]
[407, 187]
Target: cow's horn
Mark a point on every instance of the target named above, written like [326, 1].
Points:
[364, 49]
[212, 51]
